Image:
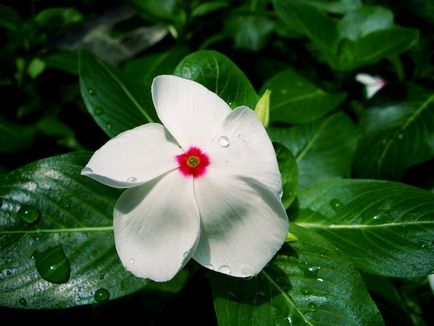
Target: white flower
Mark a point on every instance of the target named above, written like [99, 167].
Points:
[206, 186]
[373, 84]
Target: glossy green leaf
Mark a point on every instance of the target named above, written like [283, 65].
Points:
[73, 231]
[63, 60]
[336, 6]
[249, 32]
[323, 149]
[115, 100]
[15, 137]
[9, 18]
[307, 283]
[289, 172]
[364, 20]
[58, 17]
[220, 75]
[165, 11]
[146, 68]
[295, 99]
[396, 136]
[386, 228]
[205, 8]
[310, 21]
[374, 47]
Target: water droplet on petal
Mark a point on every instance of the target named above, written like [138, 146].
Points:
[132, 179]
[53, 265]
[224, 141]
[247, 271]
[23, 301]
[241, 137]
[185, 254]
[86, 170]
[225, 269]
[101, 295]
[28, 214]
[209, 266]
[311, 307]
[336, 204]
[306, 291]
[91, 92]
[132, 261]
[228, 163]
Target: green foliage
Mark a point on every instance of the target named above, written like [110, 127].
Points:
[356, 247]
[302, 286]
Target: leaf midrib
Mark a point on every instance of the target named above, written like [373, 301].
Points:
[285, 295]
[66, 230]
[404, 126]
[363, 226]
[126, 91]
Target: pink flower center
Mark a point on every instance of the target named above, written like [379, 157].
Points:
[193, 162]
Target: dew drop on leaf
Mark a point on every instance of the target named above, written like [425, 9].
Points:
[311, 307]
[101, 295]
[306, 291]
[23, 301]
[224, 269]
[223, 141]
[98, 111]
[381, 218]
[28, 214]
[53, 265]
[91, 92]
[336, 204]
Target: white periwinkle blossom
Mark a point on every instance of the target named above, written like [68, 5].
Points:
[206, 186]
[372, 83]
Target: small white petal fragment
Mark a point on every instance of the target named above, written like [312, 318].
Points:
[262, 108]
[134, 157]
[244, 226]
[372, 84]
[155, 229]
[190, 111]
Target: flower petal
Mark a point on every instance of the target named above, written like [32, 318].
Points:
[189, 111]
[249, 152]
[134, 157]
[243, 224]
[157, 227]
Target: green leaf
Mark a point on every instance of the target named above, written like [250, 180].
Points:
[58, 17]
[15, 137]
[336, 6]
[396, 136]
[63, 60]
[35, 68]
[289, 172]
[146, 68]
[74, 225]
[209, 7]
[249, 32]
[323, 149]
[220, 75]
[164, 11]
[115, 100]
[310, 21]
[308, 283]
[386, 228]
[295, 99]
[374, 47]
[9, 18]
[364, 20]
